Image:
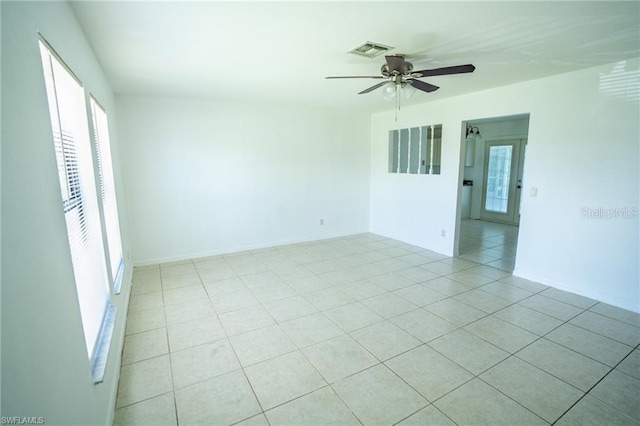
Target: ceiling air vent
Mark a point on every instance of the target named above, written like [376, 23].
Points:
[370, 49]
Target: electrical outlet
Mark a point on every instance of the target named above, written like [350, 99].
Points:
[321, 221]
[443, 233]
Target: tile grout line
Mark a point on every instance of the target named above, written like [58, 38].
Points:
[510, 355]
[166, 323]
[584, 393]
[588, 392]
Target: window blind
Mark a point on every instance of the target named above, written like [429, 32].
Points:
[107, 192]
[70, 129]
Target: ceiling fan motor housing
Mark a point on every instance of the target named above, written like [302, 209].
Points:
[407, 68]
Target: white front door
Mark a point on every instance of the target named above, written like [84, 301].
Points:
[502, 180]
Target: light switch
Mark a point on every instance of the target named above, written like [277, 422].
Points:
[533, 191]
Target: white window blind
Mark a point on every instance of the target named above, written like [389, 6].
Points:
[69, 124]
[107, 192]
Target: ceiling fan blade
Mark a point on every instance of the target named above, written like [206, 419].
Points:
[395, 63]
[372, 88]
[457, 69]
[421, 85]
[356, 76]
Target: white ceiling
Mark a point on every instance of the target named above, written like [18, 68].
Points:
[280, 52]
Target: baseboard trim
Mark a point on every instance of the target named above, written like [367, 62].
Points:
[230, 250]
[591, 295]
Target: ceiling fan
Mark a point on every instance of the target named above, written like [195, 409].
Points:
[400, 72]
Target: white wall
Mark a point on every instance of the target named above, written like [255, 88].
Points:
[45, 370]
[582, 152]
[204, 177]
[416, 208]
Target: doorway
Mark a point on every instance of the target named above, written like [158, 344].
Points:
[491, 177]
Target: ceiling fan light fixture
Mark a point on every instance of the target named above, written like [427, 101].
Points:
[408, 90]
[389, 91]
[370, 49]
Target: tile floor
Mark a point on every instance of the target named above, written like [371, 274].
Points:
[369, 330]
[489, 243]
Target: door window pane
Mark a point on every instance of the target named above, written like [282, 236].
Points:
[498, 177]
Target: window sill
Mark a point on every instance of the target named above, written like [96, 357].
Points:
[99, 364]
